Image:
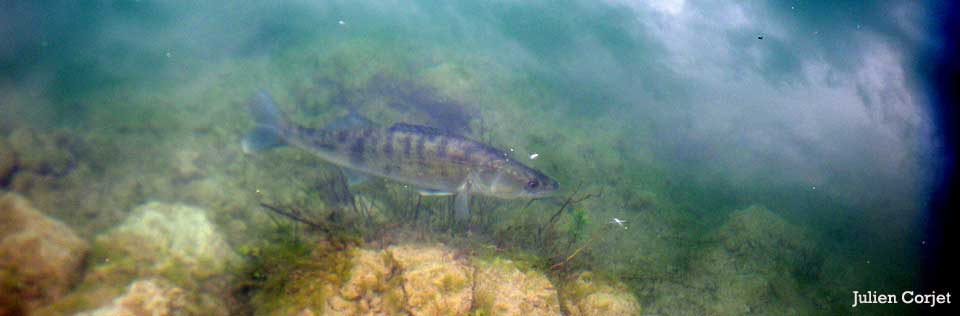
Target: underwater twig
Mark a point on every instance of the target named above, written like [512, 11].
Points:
[295, 216]
[573, 255]
[572, 201]
[565, 204]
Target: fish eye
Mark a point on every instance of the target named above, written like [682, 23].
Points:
[533, 184]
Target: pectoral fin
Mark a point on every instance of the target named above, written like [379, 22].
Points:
[461, 206]
[260, 139]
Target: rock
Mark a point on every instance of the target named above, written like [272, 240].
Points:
[46, 154]
[186, 165]
[417, 280]
[168, 239]
[752, 268]
[588, 295]
[149, 297]
[372, 288]
[434, 281]
[8, 162]
[157, 241]
[39, 256]
[763, 239]
[502, 289]
[756, 263]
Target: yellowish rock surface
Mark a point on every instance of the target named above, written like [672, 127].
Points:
[150, 297]
[39, 256]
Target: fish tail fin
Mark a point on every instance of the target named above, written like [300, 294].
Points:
[270, 125]
[265, 111]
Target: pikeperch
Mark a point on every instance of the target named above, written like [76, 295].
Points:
[434, 161]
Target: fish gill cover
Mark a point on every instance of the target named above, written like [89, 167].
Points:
[715, 157]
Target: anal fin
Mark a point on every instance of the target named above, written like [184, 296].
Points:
[432, 192]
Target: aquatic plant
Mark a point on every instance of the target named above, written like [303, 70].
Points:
[277, 268]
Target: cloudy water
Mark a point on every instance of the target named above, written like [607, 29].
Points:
[473, 158]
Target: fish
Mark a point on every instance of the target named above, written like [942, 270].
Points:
[435, 161]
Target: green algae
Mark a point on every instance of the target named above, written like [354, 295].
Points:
[290, 271]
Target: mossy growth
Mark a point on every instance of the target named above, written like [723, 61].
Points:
[578, 225]
[291, 271]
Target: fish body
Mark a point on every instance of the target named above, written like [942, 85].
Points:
[427, 158]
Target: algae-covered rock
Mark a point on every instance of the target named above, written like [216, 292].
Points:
[432, 280]
[168, 239]
[47, 153]
[149, 297]
[752, 267]
[373, 287]
[756, 264]
[589, 295]
[761, 237]
[173, 242]
[415, 280]
[435, 282]
[503, 289]
[39, 256]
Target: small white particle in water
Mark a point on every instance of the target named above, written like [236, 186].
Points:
[814, 188]
[923, 242]
[534, 156]
[511, 149]
[341, 22]
[868, 261]
[167, 54]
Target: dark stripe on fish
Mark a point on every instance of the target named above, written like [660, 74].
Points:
[406, 146]
[442, 151]
[421, 141]
[388, 145]
[356, 151]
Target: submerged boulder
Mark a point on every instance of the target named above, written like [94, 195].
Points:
[754, 265]
[168, 239]
[39, 256]
[43, 153]
[589, 295]
[423, 280]
[148, 297]
[435, 282]
[373, 287]
[504, 289]
[157, 241]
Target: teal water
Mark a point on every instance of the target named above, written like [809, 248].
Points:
[767, 157]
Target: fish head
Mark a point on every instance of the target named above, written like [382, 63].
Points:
[515, 180]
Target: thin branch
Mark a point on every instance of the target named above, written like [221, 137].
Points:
[572, 255]
[295, 216]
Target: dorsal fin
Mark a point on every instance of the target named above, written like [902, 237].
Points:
[404, 127]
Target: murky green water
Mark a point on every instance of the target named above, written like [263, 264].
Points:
[713, 158]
